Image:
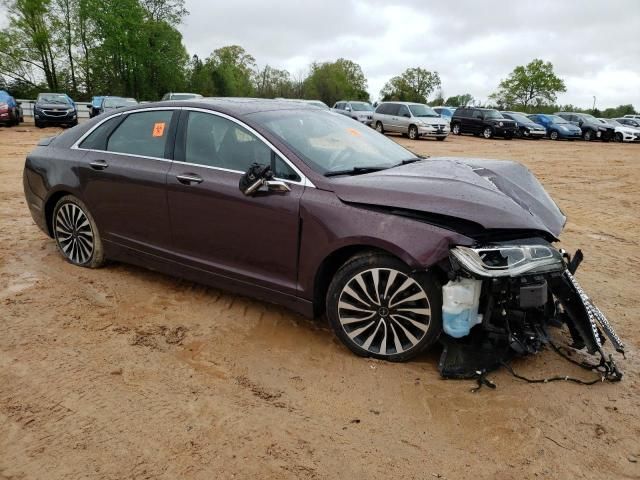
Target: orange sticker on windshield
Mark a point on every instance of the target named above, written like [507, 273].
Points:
[158, 129]
[354, 132]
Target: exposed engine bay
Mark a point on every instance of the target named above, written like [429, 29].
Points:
[502, 299]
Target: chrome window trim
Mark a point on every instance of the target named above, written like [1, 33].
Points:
[304, 181]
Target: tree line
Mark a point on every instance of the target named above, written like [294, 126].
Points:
[133, 48]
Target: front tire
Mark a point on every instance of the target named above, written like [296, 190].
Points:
[76, 233]
[554, 135]
[487, 133]
[378, 308]
[413, 132]
[380, 128]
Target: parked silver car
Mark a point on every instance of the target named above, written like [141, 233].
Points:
[413, 119]
[360, 111]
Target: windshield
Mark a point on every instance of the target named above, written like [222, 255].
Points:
[330, 142]
[518, 117]
[119, 102]
[492, 114]
[361, 107]
[419, 110]
[53, 98]
[556, 119]
[612, 122]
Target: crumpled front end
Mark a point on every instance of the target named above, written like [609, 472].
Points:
[502, 299]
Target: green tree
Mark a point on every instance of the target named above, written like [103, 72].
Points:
[534, 84]
[619, 111]
[414, 85]
[228, 72]
[29, 48]
[460, 100]
[271, 82]
[333, 81]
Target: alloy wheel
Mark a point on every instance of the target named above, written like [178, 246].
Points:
[587, 135]
[413, 132]
[379, 127]
[487, 133]
[384, 311]
[553, 135]
[456, 129]
[74, 234]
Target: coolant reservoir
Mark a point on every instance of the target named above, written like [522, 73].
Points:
[460, 301]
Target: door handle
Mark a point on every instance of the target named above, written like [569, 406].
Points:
[98, 164]
[189, 178]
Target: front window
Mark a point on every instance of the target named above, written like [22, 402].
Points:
[422, 111]
[361, 107]
[518, 118]
[214, 141]
[330, 142]
[492, 114]
[54, 98]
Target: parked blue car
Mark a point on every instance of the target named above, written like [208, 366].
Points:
[94, 106]
[10, 109]
[445, 112]
[557, 127]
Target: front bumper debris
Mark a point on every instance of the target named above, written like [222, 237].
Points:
[517, 307]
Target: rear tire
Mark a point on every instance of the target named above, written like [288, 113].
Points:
[379, 308]
[76, 233]
[587, 135]
[618, 137]
[455, 129]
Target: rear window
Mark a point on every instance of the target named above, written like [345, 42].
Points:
[143, 133]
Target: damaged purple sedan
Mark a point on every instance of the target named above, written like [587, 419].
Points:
[303, 207]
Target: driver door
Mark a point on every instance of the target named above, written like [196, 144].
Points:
[215, 227]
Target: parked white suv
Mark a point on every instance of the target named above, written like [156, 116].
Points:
[360, 111]
[413, 119]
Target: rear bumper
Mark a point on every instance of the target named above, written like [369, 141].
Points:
[35, 203]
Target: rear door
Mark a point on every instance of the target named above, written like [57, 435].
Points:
[216, 227]
[124, 178]
[392, 117]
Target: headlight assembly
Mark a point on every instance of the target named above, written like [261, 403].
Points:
[508, 261]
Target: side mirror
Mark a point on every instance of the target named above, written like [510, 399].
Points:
[89, 106]
[277, 186]
[347, 108]
[407, 115]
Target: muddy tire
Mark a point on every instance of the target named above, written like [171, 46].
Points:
[76, 233]
[379, 308]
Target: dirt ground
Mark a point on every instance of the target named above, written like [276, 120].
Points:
[123, 373]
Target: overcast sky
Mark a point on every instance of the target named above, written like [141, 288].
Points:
[593, 45]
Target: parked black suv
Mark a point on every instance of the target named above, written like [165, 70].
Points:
[592, 129]
[482, 121]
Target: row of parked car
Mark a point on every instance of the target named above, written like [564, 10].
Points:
[417, 120]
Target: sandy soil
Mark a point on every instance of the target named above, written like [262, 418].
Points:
[123, 373]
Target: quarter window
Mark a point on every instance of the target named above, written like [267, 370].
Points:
[215, 141]
[97, 140]
[143, 133]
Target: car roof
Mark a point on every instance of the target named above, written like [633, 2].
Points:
[232, 105]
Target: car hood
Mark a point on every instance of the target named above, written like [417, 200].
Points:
[433, 120]
[52, 106]
[568, 126]
[494, 194]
